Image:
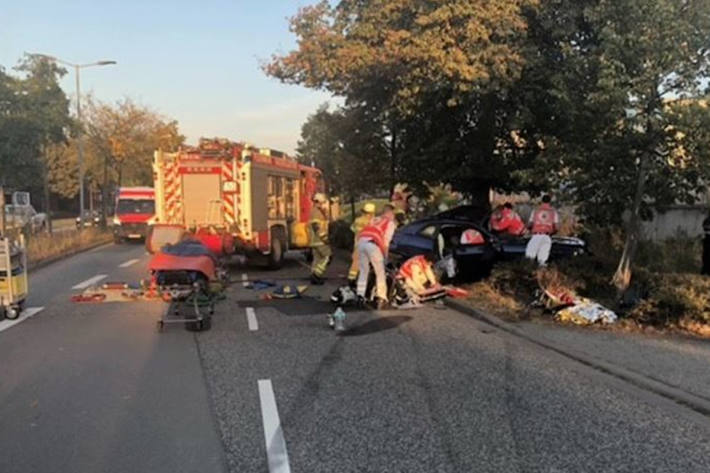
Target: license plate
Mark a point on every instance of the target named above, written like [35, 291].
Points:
[135, 235]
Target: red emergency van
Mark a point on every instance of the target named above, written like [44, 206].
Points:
[135, 206]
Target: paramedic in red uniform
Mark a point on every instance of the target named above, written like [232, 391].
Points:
[506, 221]
[373, 246]
[544, 222]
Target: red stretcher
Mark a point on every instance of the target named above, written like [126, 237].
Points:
[185, 274]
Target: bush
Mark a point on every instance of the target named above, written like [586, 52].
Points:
[677, 255]
[515, 279]
[340, 235]
[672, 298]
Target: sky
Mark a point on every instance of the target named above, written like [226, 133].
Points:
[194, 61]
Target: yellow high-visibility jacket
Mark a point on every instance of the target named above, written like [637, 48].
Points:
[318, 227]
[361, 222]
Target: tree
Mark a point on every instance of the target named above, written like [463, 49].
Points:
[34, 116]
[613, 99]
[121, 139]
[47, 107]
[393, 60]
[347, 151]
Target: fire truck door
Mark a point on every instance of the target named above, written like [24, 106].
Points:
[202, 199]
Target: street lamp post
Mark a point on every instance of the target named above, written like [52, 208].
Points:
[79, 141]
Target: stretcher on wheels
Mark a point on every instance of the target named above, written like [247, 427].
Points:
[187, 277]
[13, 278]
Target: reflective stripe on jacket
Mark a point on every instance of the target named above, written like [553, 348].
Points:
[319, 219]
[545, 220]
[378, 231]
[407, 269]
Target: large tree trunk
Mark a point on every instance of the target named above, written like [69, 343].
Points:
[481, 195]
[622, 277]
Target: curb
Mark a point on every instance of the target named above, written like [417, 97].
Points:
[689, 400]
[44, 263]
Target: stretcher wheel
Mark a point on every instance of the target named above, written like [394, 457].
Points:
[160, 326]
[193, 326]
[12, 313]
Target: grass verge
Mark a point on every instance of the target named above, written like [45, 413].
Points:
[667, 294]
[42, 248]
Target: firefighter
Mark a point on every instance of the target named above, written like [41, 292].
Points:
[544, 222]
[507, 222]
[318, 226]
[373, 246]
[368, 212]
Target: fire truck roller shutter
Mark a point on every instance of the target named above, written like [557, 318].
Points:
[202, 199]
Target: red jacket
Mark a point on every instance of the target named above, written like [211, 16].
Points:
[545, 220]
[508, 221]
[379, 231]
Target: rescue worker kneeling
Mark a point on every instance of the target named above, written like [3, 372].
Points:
[318, 226]
[507, 222]
[373, 247]
[418, 276]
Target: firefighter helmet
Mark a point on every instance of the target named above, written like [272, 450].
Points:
[369, 208]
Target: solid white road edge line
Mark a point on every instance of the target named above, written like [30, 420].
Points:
[128, 263]
[245, 280]
[276, 454]
[26, 314]
[251, 319]
[90, 281]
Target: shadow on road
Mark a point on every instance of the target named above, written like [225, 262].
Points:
[292, 307]
[377, 325]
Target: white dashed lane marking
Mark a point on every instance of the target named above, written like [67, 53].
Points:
[26, 314]
[90, 281]
[128, 263]
[276, 454]
[251, 319]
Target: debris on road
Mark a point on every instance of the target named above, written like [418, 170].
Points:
[289, 292]
[259, 285]
[337, 320]
[586, 312]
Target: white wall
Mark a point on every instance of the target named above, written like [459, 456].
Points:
[677, 220]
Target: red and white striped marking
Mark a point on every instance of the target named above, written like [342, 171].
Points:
[228, 197]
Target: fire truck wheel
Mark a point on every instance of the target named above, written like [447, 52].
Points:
[276, 256]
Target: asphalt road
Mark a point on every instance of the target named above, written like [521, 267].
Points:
[271, 388]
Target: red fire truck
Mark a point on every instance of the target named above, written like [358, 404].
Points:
[236, 198]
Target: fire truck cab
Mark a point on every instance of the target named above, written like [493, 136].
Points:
[236, 198]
